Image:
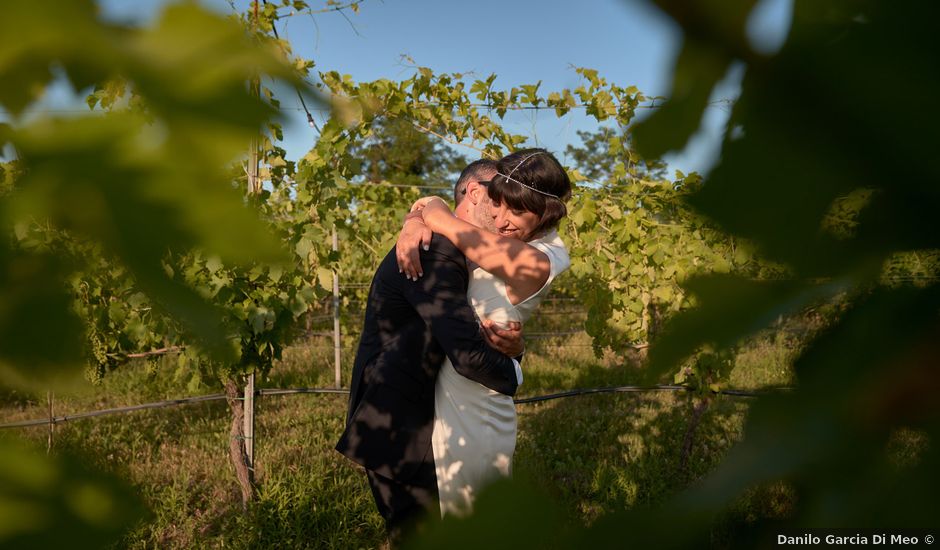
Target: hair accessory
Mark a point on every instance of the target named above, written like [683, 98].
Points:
[521, 162]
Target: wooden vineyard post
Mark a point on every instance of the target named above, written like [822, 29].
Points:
[249, 430]
[49, 399]
[248, 402]
[337, 344]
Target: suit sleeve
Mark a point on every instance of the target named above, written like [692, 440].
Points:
[440, 298]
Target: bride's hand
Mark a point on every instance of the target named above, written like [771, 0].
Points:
[436, 212]
[421, 203]
[414, 234]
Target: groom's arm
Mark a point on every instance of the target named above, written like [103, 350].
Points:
[440, 298]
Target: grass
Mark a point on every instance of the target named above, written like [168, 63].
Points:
[600, 453]
[593, 454]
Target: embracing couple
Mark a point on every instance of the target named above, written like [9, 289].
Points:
[431, 416]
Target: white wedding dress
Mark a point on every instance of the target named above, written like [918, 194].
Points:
[475, 427]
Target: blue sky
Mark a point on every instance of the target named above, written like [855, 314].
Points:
[628, 41]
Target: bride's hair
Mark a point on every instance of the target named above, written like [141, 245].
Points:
[532, 180]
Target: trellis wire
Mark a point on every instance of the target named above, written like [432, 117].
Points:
[298, 391]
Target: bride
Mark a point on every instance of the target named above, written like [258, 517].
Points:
[514, 254]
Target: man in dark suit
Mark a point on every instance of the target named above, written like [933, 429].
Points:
[410, 327]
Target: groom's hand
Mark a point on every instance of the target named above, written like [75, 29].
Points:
[507, 340]
[413, 235]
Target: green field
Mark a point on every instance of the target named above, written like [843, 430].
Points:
[592, 453]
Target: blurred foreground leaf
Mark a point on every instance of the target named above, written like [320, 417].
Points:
[57, 502]
[511, 514]
[698, 69]
[826, 180]
[148, 178]
[35, 304]
[731, 308]
[714, 37]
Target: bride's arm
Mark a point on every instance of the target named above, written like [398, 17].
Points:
[414, 235]
[520, 265]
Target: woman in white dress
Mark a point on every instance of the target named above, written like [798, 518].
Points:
[475, 427]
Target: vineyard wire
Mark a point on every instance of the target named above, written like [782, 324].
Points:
[298, 391]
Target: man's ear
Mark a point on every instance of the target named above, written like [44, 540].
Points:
[475, 192]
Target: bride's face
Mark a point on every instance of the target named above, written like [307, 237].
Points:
[513, 223]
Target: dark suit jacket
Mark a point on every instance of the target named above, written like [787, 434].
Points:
[410, 326]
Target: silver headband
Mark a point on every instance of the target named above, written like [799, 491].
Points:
[521, 162]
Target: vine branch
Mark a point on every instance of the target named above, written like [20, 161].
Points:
[452, 141]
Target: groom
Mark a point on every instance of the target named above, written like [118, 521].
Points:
[409, 329]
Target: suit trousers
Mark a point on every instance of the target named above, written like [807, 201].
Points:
[402, 505]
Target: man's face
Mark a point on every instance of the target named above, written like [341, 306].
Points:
[476, 207]
[482, 213]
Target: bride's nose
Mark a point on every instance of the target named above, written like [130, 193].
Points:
[499, 216]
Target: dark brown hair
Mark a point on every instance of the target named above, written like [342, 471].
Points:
[538, 169]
